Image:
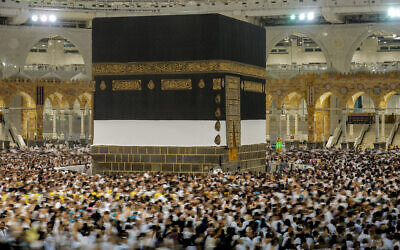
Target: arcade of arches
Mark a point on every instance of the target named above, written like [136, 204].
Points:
[313, 107]
[36, 110]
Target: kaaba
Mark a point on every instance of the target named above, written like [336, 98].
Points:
[182, 94]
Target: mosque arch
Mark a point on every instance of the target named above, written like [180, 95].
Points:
[360, 102]
[54, 53]
[327, 114]
[22, 114]
[296, 51]
[390, 102]
[376, 50]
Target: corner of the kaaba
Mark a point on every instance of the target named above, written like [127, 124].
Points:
[179, 94]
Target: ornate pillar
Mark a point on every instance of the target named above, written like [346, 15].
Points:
[54, 137]
[310, 100]
[310, 123]
[82, 136]
[39, 123]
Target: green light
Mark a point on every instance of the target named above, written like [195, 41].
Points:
[293, 17]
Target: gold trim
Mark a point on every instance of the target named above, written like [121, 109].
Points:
[118, 85]
[217, 140]
[217, 126]
[178, 67]
[218, 99]
[176, 84]
[217, 84]
[151, 85]
[103, 85]
[201, 84]
[253, 87]
[218, 113]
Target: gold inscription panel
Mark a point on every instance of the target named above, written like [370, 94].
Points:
[176, 84]
[253, 86]
[121, 85]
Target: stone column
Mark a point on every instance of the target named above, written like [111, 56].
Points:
[296, 124]
[377, 127]
[39, 125]
[288, 125]
[54, 137]
[310, 123]
[82, 136]
[27, 127]
[70, 124]
[383, 125]
[376, 143]
[279, 123]
[91, 126]
[6, 128]
[351, 130]
[315, 128]
[344, 129]
[323, 129]
[267, 126]
[62, 125]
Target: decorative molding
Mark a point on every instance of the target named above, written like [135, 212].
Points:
[217, 140]
[151, 85]
[253, 87]
[232, 111]
[121, 85]
[217, 84]
[176, 84]
[103, 85]
[178, 67]
[217, 126]
[218, 113]
[201, 84]
[218, 99]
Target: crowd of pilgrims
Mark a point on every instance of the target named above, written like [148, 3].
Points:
[340, 200]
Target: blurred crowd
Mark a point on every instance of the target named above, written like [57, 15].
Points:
[341, 200]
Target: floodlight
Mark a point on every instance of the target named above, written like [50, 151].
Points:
[34, 18]
[43, 18]
[52, 18]
[302, 16]
[310, 16]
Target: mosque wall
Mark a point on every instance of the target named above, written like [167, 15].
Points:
[337, 42]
